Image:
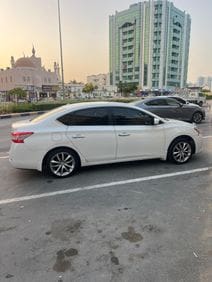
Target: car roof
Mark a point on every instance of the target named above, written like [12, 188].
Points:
[94, 104]
[151, 99]
[78, 106]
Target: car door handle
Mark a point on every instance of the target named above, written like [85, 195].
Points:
[124, 134]
[78, 136]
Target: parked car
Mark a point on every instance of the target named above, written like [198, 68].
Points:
[59, 142]
[171, 108]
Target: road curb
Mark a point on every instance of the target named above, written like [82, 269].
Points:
[21, 114]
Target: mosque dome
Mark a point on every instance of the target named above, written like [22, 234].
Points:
[23, 63]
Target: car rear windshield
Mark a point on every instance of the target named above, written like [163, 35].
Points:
[47, 114]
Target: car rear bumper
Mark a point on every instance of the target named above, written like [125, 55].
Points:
[20, 156]
[198, 144]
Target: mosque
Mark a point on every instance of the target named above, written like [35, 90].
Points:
[29, 74]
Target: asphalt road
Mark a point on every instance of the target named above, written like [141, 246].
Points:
[141, 221]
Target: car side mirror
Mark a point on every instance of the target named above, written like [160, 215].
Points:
[180, 105]
[156, 121]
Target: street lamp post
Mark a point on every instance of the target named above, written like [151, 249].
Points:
[61, 50]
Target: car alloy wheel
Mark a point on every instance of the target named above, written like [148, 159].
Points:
[62, 162]
[197, 117]
[181, 152]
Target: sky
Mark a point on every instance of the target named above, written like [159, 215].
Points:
[85, 33]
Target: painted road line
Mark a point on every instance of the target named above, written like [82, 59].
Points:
[4, 157]
[103, 185]
[205, 137]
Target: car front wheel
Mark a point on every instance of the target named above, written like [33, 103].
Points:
[61, 163]
[180, 151]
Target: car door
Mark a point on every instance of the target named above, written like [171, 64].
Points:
[92, 134]
[162, 108]
[136, 135]
[186, 111]
[175, 109]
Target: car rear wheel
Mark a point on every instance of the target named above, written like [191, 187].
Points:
[180, 151]
[197, 117]
[62, 162]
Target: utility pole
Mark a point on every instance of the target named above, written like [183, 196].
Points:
[61, 50]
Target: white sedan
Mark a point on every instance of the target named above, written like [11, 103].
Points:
[59, 142]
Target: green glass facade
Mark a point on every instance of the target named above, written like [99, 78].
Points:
[149, 45]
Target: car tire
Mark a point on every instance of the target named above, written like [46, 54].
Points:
[197, 117]
[61, 163]
[180, 151]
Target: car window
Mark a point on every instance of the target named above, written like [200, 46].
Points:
[172, 102]
[157, 102]
[125, 116]
[180, 100]
[91, 116]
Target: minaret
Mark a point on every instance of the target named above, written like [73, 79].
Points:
[12, 62]
[33, 51]
[57, 71]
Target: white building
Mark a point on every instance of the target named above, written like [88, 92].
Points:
[102, 82]
[99, 80]
[74, 89]
[29, 74]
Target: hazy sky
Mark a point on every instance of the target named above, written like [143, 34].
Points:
[85, 25]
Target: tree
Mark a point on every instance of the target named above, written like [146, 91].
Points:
[88, 88]
[127, 87]
[17, 93]
[120, 87]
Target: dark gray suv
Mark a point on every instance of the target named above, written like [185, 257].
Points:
[170, 108]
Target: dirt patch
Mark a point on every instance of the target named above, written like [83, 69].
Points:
[5, 229]
[151, 228]
[65, 229]
[61, 264]
[124, 209]
[131, 235]
[9, 276]
[48, 233]
[63, 261]
[114, 260]
[71, 252]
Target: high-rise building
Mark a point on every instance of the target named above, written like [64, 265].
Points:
[149, 45]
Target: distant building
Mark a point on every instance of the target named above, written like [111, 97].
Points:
[205, 82]
[149, 45]
[74, 89]
[29, 74]
[102, 82]
[99, 80]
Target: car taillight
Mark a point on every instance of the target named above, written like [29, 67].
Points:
[19, 137]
